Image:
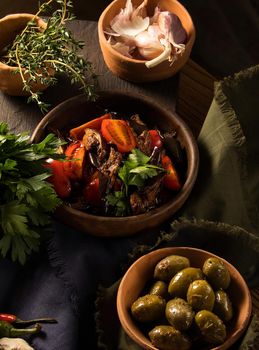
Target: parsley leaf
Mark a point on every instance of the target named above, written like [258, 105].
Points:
[136, 170]
[118, 200]
[26, 198]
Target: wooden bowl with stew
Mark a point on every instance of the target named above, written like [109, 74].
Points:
[147, 205]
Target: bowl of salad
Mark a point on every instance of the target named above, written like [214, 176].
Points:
[129, 163]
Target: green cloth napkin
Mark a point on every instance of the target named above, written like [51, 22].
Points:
[221, 214]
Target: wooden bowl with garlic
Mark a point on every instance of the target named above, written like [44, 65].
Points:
[144, 41]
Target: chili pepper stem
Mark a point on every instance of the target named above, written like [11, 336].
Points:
[9, 331]
[16, 332]
[18, 321]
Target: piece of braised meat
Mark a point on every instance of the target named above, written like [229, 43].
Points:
[94, 143]
[145, 143]
[111, 166]
[144, 200]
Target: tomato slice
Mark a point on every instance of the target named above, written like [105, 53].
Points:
[78, 132]
[171, 180]
[155, 139]
[75, 153]
[119, 133]
[59, 179]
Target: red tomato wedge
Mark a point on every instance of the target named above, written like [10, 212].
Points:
[75, 154]
[119, 133]
[59, 179]
[78, 132]
[155, 139]
[91, 191]
[171, 180]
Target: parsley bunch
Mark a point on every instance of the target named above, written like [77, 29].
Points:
[26, 197]
[36, 53]
[134, 172]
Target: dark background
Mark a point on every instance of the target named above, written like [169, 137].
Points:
[83, 9]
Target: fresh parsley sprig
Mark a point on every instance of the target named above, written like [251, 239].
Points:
[135, 171]
[27, 198]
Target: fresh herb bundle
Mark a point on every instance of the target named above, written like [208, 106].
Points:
[35, 53]
[26, 197]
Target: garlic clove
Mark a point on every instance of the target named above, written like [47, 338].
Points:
[14, 344]
[148, 45]
[171, 26]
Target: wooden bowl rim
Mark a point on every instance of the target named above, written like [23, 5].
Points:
[163, 252]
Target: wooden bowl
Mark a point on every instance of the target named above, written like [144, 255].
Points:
[10, 82]
[135, 70]
[76, 111]
[141, 271]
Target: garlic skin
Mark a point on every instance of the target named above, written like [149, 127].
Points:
[14, 344]
[155, 39]
[129, 22]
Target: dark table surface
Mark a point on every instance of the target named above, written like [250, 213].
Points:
[24, 117]
[21, 116]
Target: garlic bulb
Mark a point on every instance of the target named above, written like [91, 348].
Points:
[14, 344]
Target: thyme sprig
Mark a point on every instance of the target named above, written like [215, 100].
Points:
[37, 53]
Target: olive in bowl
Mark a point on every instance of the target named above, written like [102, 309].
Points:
[68, 117]
[184, 325]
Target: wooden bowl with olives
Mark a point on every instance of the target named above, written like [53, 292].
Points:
[131, 162]
[182, 298]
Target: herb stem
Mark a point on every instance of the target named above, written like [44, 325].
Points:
[67, 66]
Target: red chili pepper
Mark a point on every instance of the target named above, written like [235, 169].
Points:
[75, 153]
[171, 180]
[92, 192]
[155, 139]
[8, 318]
[78, 132]
[119, 133]
[58, 178]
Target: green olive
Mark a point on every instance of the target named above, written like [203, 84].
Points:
[179, 284]
[168, 338]
[169, 266]
[159, 288]
[211, 327]
[223, 306]
[179, 314]
[148, 308]
[200, 295]
[217, 273]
